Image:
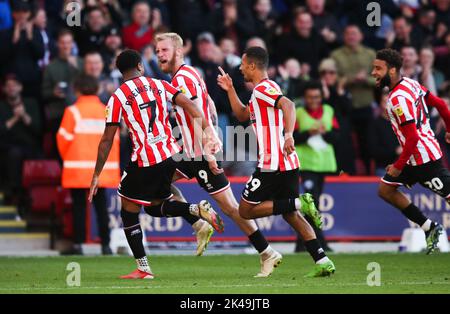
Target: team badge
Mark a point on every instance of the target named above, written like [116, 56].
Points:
[399, 111]
[182, 90]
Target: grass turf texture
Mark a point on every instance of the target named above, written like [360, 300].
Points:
[400, 273]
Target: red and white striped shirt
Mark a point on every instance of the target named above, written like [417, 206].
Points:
[189, 82]
[268, 124]
[142, 102]
[406, 104]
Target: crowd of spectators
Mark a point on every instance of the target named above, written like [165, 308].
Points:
[43, 49]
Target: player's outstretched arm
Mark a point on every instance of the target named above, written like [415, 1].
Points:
[441, 106]
[226, 83]
[104, 147]
[288, 108]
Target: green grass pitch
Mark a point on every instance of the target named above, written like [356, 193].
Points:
[225, 274]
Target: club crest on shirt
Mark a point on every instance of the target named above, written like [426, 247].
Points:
[399, 111]
[182, 90]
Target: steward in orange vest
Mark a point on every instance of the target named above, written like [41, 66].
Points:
[78, 137]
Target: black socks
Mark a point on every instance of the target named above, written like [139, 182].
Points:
[314, 249]
[413, 213]
[133, 232]
[172, 209]
[258, 241]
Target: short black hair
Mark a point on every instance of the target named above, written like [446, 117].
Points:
[259, 56]
[86, 84]
[128, 60]
[352, 25]
[392, 58]
[64, 32]
[312, 85]
[401, 17]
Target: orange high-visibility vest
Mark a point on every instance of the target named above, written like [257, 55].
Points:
[79, 134]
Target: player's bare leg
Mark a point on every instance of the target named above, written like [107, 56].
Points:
[324, 266]
[396, 198]
[393, 196]
[230, 207]
[202, 229]
[132, 227]
[269, 258]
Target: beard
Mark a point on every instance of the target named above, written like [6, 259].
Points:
[385, 82]
[170, 64]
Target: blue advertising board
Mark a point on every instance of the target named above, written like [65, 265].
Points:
[350, 208]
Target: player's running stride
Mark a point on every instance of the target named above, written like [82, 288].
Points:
[142, 102]
[169, 50]
[274, 186]
[420, 160]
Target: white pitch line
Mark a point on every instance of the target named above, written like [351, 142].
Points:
[321, 284]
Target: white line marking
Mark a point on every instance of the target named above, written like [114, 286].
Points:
[319, 284]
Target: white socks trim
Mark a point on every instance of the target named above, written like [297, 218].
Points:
[426, 225]
[323, 260]
[298, 204]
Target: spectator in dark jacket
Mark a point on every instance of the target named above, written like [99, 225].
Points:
[92, 36]
[188, 17]
[111, 48]
[233, 20]
[326, 24]
[40, 21]
[20, 131]
[20, 49]
[303, 43]
[266, 26]
[405, 35]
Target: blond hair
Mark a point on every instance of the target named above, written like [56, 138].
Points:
[174, 37]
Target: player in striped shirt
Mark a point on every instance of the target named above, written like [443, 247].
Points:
[208, 174]
[274, 186]
[420, 160]
[142, 103]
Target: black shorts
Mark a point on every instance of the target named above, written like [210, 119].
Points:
[263, 186]
[432, 175]
[142, 185]
[199, 169]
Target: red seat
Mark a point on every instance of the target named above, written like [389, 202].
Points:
[42, 179]
[41, 172]
[46, 197]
